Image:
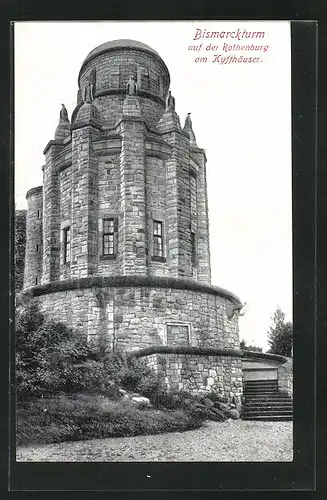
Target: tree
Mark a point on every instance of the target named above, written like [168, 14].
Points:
[280, 335]
[19, 250]
[245, 347]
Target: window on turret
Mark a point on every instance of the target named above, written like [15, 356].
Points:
[66, 245]
[193, 248]
[157, 239]
[193, 197]
[109, 236]
[143, 78]
[39, 214]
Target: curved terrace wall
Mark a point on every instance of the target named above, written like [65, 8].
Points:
[128, 313]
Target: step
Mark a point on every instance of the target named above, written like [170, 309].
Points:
[257, 399]
[264, 404]
[266, 391]
[266, 413]
[266, 397]
[256, 387]
[261, 384]
[269, 418]
[266, 388]
[268, 404]
[261, 388]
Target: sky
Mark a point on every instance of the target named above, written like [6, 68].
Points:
[241, 114]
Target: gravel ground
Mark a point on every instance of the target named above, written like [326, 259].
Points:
[230, 441]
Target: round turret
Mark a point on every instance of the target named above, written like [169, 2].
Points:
[34, 246]
[108, 69]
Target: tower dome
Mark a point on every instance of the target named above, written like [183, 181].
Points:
[108, 68]
[117, 45]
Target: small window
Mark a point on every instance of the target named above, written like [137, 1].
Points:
[66, 245]
[143, 78]
[178, 335]
[39, 214]
[36, 281]
[37, 247]
[157, 239]
[193, 249]
[109, 236]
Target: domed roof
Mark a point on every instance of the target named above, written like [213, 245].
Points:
[118, 44]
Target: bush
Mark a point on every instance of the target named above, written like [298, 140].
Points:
[52, 358]
[86, 417]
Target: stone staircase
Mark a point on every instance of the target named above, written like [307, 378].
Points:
[263, 401]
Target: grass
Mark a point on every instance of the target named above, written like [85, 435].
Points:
[80, 417]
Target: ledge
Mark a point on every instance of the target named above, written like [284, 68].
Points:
[54, 142]
[203, 351]
[188, 350]
[133, 281]
[264, 355]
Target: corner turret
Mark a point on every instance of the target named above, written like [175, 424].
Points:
[188, 128]
[63, 128]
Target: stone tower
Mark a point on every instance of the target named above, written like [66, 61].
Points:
[118, 237]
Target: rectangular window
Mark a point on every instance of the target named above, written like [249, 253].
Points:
[36, 282]
[66, 245]
[193, 197]
[193, 248]
[109, 236]
[157, 239]
[178, 335]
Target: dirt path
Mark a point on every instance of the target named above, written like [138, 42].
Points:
[230, 441]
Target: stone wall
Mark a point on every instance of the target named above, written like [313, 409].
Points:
[193, 373]
[132, 317]
[285, 377]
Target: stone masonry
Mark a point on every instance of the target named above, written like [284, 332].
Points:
[118, 236]
[199, 373]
